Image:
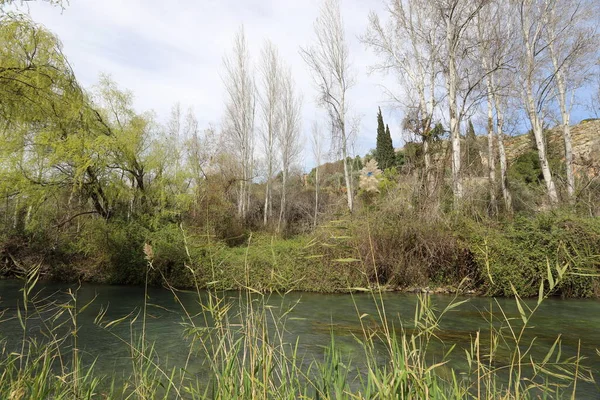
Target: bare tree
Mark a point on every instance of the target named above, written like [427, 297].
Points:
[408, 46]
[487, 43]
[198, 148]
[270, 105]
[497, 34]
[497, 40]
[239, 114]
[317, 151]
[572, 42]
[460, 71]
[174, 130]
[329, 62]
[289, 138]
[500, 106]
[535, 77]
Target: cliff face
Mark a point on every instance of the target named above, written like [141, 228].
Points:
[586, 146]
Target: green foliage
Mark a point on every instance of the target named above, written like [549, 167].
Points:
[583, 121]
[86, 181]
[357, 163]
[526, 169]
[519, 253]
[268, 263]
[388, 180]
[525, 177]
[384, 152]
[437, 132]
[400, 159]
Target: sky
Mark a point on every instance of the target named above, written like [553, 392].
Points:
[171, 51]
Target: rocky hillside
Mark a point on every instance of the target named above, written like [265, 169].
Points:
[586, 145]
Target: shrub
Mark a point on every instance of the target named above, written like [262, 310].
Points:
[404, 249]
[519, 252]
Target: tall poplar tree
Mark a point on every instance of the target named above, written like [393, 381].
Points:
[328, 59]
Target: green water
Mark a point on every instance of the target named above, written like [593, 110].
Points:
[313, 318]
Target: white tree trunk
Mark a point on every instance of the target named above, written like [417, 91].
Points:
[316, 142]
[316, 195]
[429, 182]
[347, 177]
[266, 209]
[491, 153]
[426, 130]
[283, 201]
[502, 155]
[566, 120]
[538, 133]
[568, 155]
[451, 79]
[531, 28]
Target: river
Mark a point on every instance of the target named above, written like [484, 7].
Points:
[313, 319]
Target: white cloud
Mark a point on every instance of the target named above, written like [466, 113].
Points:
[171, 51]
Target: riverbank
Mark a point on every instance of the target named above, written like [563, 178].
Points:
[377, 249]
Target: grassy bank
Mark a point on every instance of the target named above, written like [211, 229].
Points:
[397, 250]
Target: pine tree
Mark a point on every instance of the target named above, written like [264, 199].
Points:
[384, 152]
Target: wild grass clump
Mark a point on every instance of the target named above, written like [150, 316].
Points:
[45, 362]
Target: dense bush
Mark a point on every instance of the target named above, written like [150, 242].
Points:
[403, 249]
[526, 169]
[519, 252]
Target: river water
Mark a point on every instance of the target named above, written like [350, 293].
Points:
[313, 319]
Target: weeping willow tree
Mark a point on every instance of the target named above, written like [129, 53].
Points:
[66, 151]
[43, 118]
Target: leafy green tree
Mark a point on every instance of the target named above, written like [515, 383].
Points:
[384, 152]
[49, 141]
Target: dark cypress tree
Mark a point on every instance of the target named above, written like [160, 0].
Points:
[389, 146]
[384, 152]
[474, 165]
